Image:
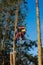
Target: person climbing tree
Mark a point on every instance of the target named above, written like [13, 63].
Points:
[20, 32]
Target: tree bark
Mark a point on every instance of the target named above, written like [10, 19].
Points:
[16, 21]
[39, 34]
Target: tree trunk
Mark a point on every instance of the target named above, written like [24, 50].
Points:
[16, 21]
[39, 35]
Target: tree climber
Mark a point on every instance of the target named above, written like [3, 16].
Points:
[20, 32]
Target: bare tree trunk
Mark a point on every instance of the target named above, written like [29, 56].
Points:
[39, 35]
[16, 21]
[14, 52]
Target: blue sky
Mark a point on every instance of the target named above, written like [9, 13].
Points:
[31, 21]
